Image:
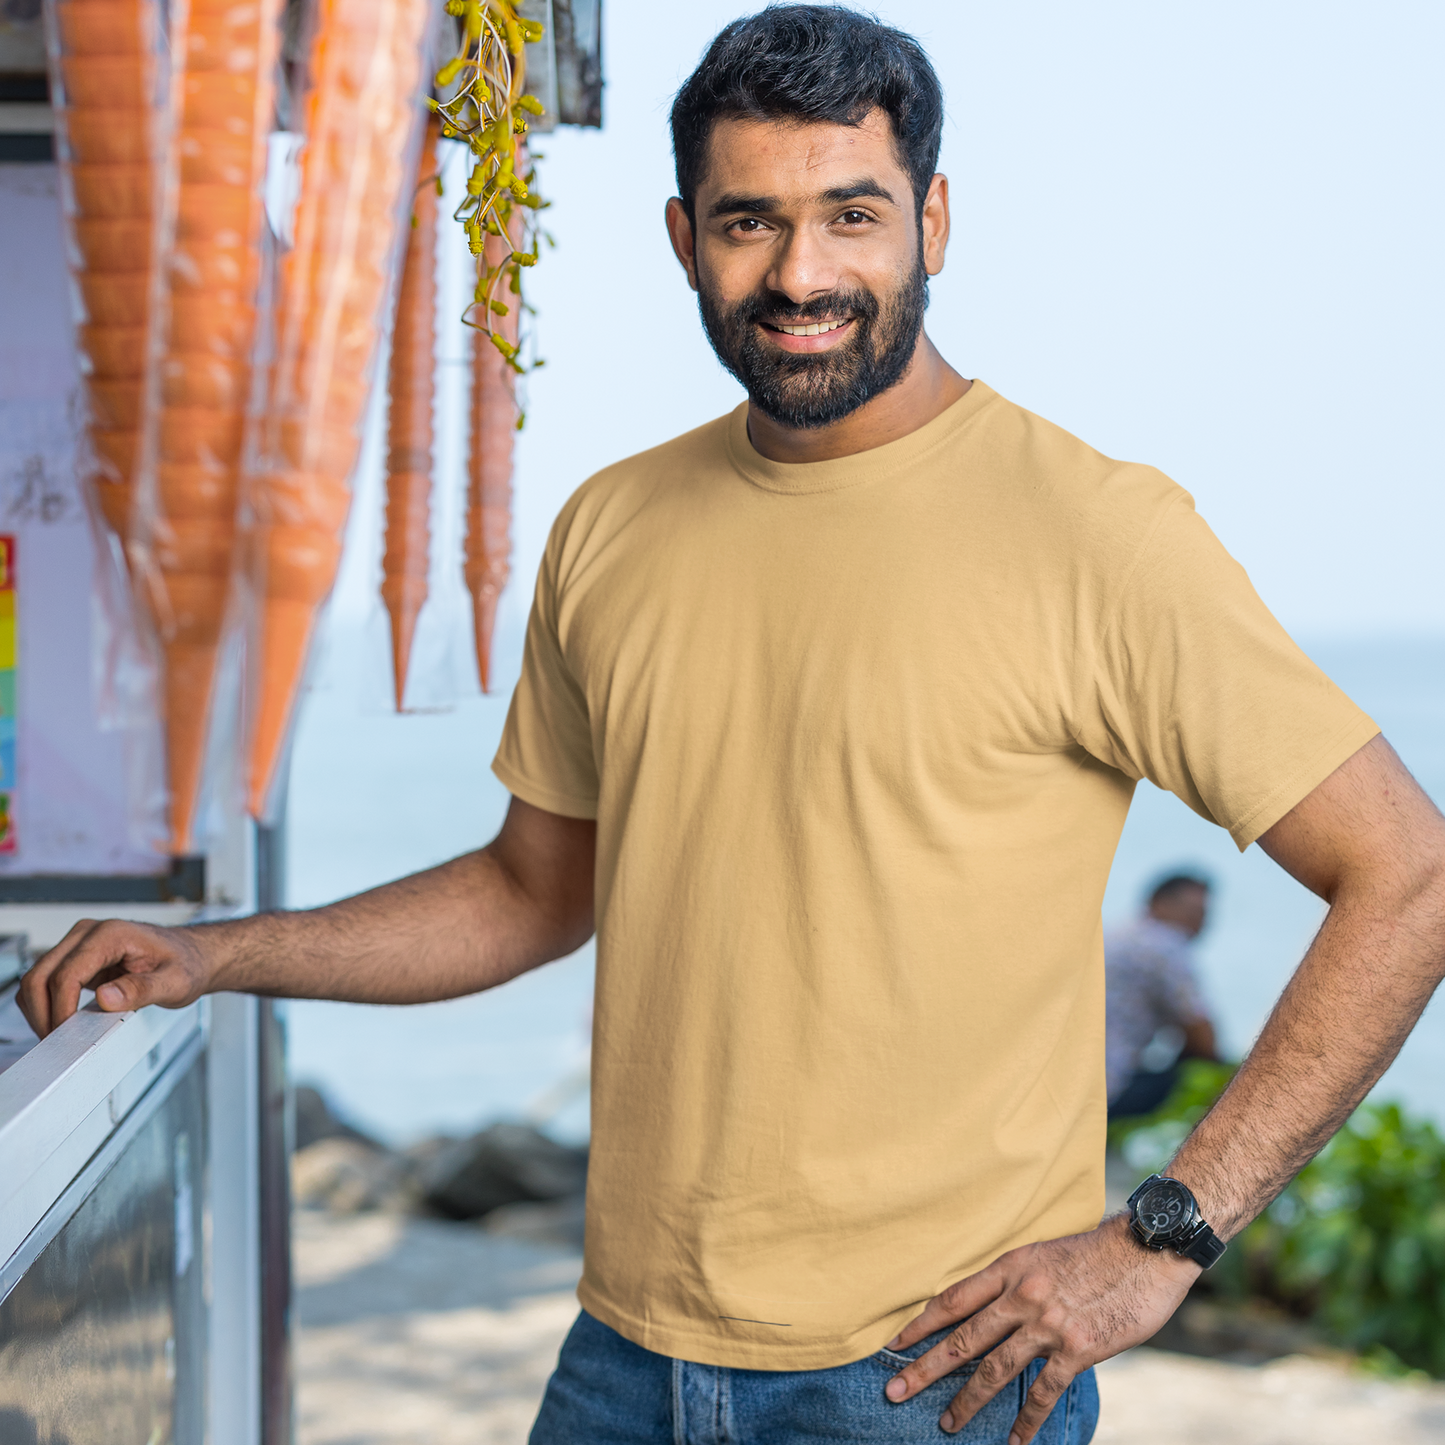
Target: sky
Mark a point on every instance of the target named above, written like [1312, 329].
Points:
[1206, 238]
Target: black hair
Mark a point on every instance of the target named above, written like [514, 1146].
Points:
[1175, 884]
[810, 63]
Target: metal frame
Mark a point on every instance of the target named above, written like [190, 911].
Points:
[273, 1157]
[85, 1183]
[56, 1150]
[63, 1100]
[233, 1259]
[184, 882]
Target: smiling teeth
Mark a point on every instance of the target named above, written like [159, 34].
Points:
[813, 328]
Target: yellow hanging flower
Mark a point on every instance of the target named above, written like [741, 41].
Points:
[490, 111]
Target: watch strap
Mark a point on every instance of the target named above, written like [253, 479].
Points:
[1203, 1246]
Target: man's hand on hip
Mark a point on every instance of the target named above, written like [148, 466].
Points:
[1072, 1302]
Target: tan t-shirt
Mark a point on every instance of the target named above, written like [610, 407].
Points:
[859, 737]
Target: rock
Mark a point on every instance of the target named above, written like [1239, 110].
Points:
[347, 1176]
[558, 1224]
[1245, 1332]
[425, 1152]
[506, 1164]
[316, 1121]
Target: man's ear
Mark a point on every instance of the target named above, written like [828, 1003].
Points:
[935, 224]
[679, 232]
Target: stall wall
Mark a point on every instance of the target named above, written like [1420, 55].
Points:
[73, 809]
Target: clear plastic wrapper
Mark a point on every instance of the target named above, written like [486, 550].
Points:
[186, 516]
[362, 106]
[441, 670]
[411, 379]
[487, 564]
[489, 109]
[109, 79]
[109, 74]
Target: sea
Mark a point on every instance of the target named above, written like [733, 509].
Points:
[375, 795]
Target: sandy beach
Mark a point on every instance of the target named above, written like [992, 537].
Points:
[411, 1330]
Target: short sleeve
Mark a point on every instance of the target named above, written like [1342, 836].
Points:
[1194, 685]
[546, 756]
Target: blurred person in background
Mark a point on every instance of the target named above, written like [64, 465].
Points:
[1151, 986]
[829, 719]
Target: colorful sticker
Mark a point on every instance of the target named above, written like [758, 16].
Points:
[7, 694]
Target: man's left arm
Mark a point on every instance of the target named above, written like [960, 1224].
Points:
[1371, 844]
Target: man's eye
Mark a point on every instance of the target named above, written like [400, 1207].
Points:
[854, 218]
[747, 223]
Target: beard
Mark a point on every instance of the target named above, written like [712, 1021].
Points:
[815, 390]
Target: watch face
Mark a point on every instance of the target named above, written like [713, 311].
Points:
[1164, 1210]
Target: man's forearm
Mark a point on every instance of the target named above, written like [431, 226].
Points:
[455, 929]
[1363, 984]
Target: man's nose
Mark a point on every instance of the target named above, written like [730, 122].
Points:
[802, 268]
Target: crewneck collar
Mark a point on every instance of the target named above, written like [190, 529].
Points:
[869, 466]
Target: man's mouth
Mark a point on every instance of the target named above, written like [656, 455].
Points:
[806, 328]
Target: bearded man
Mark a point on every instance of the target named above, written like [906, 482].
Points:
[831, 711]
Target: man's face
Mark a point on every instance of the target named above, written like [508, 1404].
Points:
[1186, 909]
[807, 262]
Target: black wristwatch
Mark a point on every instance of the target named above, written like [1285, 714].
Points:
[1163, 1214]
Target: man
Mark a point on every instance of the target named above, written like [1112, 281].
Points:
[1150, 985]
[831, 712]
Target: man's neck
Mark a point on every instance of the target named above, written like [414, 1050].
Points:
[1173, 925]
[928, 388]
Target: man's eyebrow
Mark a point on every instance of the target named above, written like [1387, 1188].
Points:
[859, 190]
[737, 203]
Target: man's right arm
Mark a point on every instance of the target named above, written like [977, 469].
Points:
[467, 925]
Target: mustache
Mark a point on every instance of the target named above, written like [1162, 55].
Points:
[774, 307]
[809, 390]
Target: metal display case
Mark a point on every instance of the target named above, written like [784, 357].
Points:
[131, 1240]
[105, 1323]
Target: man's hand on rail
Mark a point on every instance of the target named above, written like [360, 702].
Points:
[128, 964]
[455, 929]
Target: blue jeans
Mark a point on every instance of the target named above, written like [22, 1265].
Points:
[608, 1391]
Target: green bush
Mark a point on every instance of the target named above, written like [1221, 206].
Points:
[1356, 1243]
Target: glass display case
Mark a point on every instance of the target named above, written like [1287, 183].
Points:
[132, 1230]
[102, 1330]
